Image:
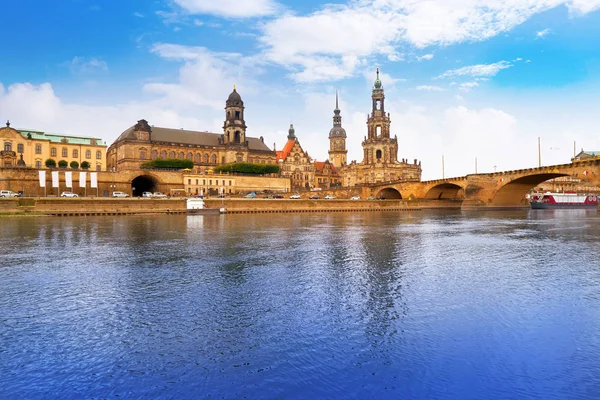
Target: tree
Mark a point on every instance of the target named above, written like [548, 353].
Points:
[63, 164]
[173, 163]
[74, 164]
[85, 165]
[248, 168]
[50, 163]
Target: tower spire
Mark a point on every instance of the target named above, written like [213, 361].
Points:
[337, 107]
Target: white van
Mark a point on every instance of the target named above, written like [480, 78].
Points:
[8, 193]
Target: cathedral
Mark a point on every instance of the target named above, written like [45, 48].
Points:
[143, 142]
[380, 150]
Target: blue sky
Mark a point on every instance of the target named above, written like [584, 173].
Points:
[463, 78]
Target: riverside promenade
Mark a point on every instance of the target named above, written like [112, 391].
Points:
[110, 206]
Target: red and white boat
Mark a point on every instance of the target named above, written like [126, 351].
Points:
[563, 200]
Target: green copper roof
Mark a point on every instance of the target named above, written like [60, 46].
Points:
[57, 138]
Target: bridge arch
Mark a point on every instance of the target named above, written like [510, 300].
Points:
[513, 192]
[445, 191]
[144, 183]
[389, 194]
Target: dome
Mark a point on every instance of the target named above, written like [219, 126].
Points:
[337, 131]
[377, 83]
[234, 99]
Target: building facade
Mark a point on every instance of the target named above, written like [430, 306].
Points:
[28, 148]
[326, 175]
[295, 163]
[380, 150]
[142, 142]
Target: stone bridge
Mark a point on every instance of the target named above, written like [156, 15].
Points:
[505, 189]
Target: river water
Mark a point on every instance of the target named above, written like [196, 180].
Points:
[419, 305]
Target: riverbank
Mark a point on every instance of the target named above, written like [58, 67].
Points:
[128, 206]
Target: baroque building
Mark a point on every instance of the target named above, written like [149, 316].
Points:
[380, 150]
[31, 149]
[326, 175]
[142, 142]
[295, 163]
[337, 139]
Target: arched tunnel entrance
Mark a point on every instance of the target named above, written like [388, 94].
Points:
[143, 183]
[513, 193]
[445, 191]
[389, 194]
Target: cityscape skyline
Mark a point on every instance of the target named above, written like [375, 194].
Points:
[455, 87]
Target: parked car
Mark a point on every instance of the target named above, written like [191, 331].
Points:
[250, 195]
[147, 194]
[7, 193]
[355, 198]
[370, 198]
[329, 197]
[159, 195]
[295, 196]
[314, 197]
[277, 196]
[68, 194]
[222, 195]
[120, 194]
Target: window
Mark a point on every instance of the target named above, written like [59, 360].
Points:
[20, 148]
[378, 154]
[38, 164]
[98, 155]
[75, 153]
[65, 152]
[7, 147]
[189, 181]
[210, 182]
[237, 115]
[163, 154]
[53, 152]
[204, 181]
[205, 158]
[197, 158]
[142, 154]
[98, 167]
[88, 154]
[181, 155]
[38, 149]
[190, 156]
[223, 182]
[214, 159]
[172, 154]
[154, 154]
[229, 183]
[196, 181]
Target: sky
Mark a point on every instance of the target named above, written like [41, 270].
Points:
[474, 83]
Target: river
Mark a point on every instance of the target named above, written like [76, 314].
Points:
[412, 305]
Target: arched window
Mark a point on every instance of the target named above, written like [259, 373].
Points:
[20, 148]
[142, 154]
[7, 146]
[205, 158]
[378, 154]
[172, 154]
[75, 153]
[190, 156]
[237, 137]
[181, 155]
[65, 152]
[163, 154]
[52, 152]
[98, 155]
[197, 158]
[88, 153]
[154, 154]
[213, 159]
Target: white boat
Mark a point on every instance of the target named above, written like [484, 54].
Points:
[563, 200]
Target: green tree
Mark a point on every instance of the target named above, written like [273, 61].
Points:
[63, 164]
[50, 163]
[74, 164]
[248, 168]
[173, 163]
[85, 165]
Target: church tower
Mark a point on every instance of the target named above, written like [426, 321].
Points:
[337, 139]
[235, 126]
[378, 146]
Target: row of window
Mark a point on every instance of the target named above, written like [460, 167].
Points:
[53, 151]
[197, 158]
[210, 182]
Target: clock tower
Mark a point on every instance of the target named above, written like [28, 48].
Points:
[337, 139]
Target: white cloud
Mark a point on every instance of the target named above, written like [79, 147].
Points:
[542, 33]
[430, 88]
[138, 14]
[468, 86]
[479, 70]
[84, 65]
[366, 28]
[425, 57]
[230, 8]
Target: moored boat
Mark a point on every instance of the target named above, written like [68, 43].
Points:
[563, 200]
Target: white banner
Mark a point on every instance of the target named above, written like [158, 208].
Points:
[93, 179]
[82, 179]
[69, 179]
[42, 179]
[55, 179]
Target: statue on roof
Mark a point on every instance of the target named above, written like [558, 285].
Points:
[7, 123]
